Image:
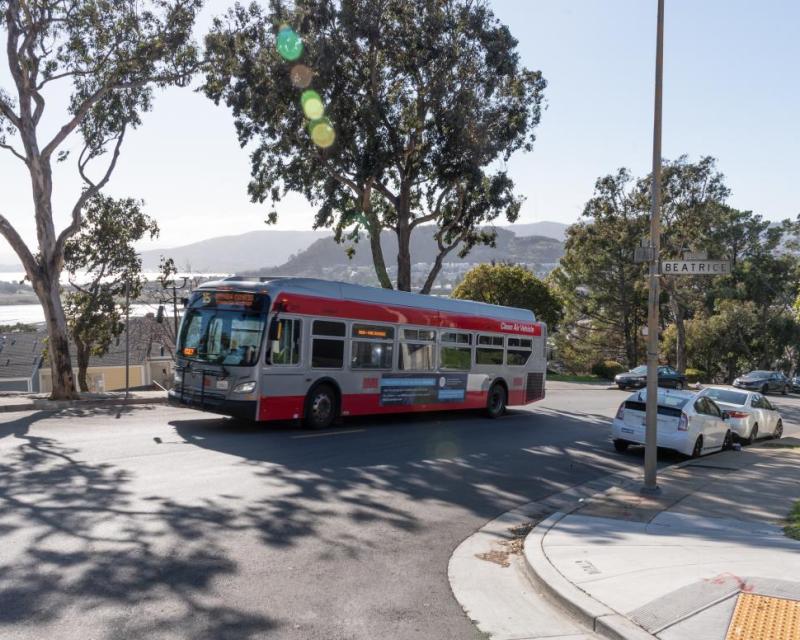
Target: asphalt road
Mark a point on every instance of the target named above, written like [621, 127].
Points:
[162, 523]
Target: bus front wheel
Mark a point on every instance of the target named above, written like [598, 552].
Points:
[496, 401]
[321, 407]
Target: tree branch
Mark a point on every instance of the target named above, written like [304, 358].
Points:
[20, 248]
[10, 148]
[93, 188]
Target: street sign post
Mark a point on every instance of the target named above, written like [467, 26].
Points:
[695, 267]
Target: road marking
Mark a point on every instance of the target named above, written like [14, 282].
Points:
[327, 433]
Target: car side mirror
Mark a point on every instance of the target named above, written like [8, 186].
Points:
[726, 416]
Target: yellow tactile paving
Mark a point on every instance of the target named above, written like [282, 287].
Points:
[764, 618]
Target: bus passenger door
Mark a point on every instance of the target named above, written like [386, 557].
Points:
[282, 384]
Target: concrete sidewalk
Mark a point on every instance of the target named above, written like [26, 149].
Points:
[675, 565]
[41, 401]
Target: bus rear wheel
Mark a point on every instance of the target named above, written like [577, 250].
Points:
[496, 401]
[321, 407]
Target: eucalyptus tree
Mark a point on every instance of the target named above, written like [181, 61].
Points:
[387, 115]
[110, 55]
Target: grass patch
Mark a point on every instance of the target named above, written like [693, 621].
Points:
[556, 377]
[792, 529]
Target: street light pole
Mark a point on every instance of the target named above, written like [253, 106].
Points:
[651, 439]
[127, 334]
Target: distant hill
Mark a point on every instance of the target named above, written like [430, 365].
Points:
[272, 248]
[555, 230]
[326, 259]
[228, 254]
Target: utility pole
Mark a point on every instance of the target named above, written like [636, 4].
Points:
[127, 334]
[651, 439]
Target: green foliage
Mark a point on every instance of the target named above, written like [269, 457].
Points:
[719, 325]
[792, 528]
[695, 375]
[604, 292]
[425, 99]
[511, 286]
[17, 327]
[607, 369]
[103, 257]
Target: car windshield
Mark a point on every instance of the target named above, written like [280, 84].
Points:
[222, 336]
[724, 395]
[639, 370]
[759, 374]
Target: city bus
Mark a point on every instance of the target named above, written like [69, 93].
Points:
[302, 349]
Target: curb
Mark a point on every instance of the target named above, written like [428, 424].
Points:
[58, 405]
[593, 613]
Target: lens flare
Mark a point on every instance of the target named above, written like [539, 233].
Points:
[312, 104]
[301, 76]
[289, 44]
[322, 133]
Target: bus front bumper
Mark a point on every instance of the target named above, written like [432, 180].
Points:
[245, 409]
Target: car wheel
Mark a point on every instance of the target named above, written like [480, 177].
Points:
[698, 447]
[621, 387]
[321, 407]
[727, 443]
[778, 433]
[621, 445]
[785, 391]
[496, 401]
[753, 435]
[765, 390]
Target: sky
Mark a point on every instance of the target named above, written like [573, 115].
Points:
[731, 90]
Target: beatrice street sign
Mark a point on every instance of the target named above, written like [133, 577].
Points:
[695, 267]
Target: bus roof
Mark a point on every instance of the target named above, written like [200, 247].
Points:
[359, 293]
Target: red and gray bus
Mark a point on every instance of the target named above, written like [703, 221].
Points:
[314, 351]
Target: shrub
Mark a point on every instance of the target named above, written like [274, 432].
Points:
[695, 375]
[607, 369]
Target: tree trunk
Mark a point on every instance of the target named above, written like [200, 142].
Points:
[374, 230]
[377, 257]
[680, 342]
[47, 290]
[82, 353]
[403, 257]
[404, 240]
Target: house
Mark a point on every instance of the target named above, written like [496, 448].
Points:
[20, 359]
[150, 360]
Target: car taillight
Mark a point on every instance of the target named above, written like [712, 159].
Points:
[683, 423]
[737, 414]
[621, 411]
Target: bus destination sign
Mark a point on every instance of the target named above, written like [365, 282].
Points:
[228, 299]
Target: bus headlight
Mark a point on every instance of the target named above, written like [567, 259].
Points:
[245, 387]
[177, 377]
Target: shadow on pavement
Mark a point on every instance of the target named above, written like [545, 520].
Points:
[91, 543]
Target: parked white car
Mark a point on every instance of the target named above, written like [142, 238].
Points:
[751, 414]
[688, 422]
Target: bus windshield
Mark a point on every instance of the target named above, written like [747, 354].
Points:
[228, 337]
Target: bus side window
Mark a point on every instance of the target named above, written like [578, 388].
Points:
[327, 352]
[489, 350]
[455, 351]
[288, 351]
[519, 351]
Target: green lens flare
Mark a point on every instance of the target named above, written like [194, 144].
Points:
[312, 104]
[322, 132]
[289, 44]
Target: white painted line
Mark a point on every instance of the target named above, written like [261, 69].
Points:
[327, 433]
